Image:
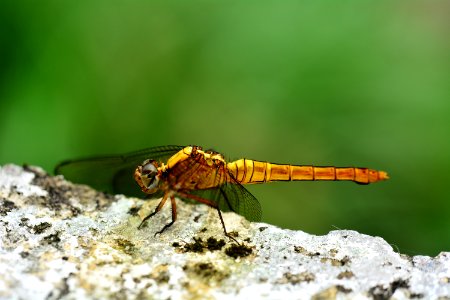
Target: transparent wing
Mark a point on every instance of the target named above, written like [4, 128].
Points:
[113, 174]
[232, 196]
[237, 198]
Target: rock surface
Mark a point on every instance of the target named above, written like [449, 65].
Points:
[65, 241]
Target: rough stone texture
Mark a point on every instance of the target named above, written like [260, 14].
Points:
[60, 240]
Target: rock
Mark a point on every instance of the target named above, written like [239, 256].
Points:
[60, 240]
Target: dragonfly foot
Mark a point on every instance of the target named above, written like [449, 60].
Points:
[164, 228]
[140, 225]
[146, 218]
[232, 238]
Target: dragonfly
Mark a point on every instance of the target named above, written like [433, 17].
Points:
[194, 174]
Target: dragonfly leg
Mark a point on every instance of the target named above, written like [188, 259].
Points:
[157, 209]
[224, 228]
[213, 205]
[174, 215]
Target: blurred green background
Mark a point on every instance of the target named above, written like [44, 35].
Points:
[359, 83]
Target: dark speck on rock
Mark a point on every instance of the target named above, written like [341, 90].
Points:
[236, 251]
[40, 228]
[214, 244]
[52, 238]
[6, 206]
[134, 211]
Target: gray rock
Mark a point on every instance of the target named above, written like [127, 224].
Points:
[65, 241]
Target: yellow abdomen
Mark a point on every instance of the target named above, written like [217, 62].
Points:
[250, 171]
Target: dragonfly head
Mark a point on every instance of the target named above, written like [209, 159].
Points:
[147, 176]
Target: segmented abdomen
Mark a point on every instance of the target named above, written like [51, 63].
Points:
[252, 171]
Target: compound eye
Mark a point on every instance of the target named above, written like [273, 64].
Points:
[148, 167]
[149, 174]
